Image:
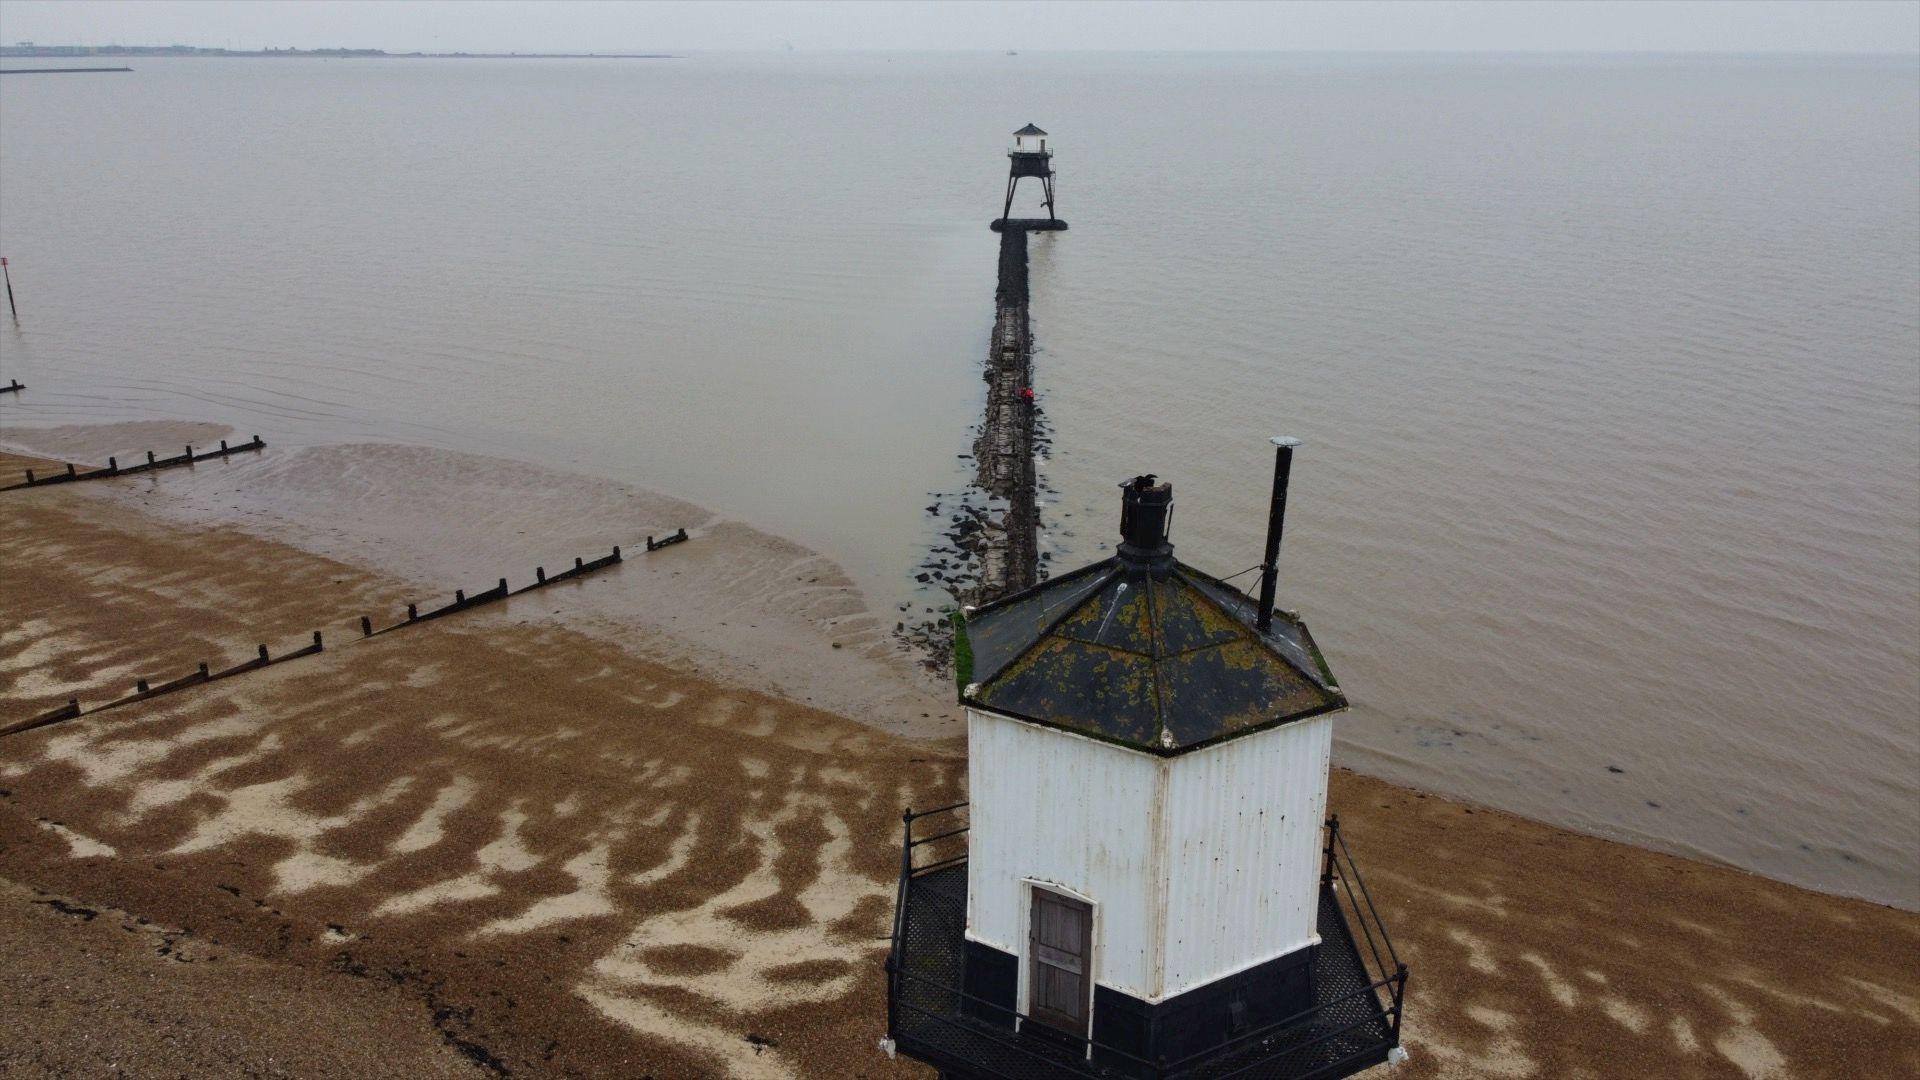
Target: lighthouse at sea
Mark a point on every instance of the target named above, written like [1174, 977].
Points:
[1145, 882]
[1029, 157]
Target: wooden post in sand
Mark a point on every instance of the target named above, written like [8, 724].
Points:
[9, 276]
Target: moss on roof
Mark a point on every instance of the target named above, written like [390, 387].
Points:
[1162, 658]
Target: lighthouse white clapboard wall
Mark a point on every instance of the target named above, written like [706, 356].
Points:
[1148, 755]
[1196, 867]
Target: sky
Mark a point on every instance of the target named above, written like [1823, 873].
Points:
[672, 25]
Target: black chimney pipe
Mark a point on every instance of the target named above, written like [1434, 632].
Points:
[1146, 508]
[1276, 521]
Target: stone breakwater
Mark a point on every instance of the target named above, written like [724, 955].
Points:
[989, 545]
[1008, 546]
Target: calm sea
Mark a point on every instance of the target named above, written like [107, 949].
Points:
[1608, 368]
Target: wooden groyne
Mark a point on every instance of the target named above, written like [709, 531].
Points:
[143, 689]
[113, 469]
[1003, 453]
[462, 601]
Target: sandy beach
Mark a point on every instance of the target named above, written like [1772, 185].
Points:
[646, 824]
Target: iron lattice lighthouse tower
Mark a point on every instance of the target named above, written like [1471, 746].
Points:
[1029, 156]
[1149, 887]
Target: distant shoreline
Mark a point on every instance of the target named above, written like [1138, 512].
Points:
[81, 52]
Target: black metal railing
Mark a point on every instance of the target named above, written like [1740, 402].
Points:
[1332, 1048]
[907, 871]
[1339, 874]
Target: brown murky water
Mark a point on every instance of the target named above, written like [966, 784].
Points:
[1609, 370]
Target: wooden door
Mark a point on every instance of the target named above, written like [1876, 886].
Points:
[1060, 969]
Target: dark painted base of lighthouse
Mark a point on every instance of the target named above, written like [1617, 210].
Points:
[1317, 1013]
[1207, 1017]
[1203, 1019]
[993, 977]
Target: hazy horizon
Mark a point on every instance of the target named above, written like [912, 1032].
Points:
[1440, 26]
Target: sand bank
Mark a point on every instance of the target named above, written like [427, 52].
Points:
[747, 607]
[508, 819]
[558, 852]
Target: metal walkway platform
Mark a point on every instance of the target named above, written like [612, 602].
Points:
[1029, 224]
[1353, 1024]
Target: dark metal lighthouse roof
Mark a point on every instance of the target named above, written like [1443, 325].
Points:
[1143, 650]
[1029, 130]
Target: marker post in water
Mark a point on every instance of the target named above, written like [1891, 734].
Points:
[4, 273]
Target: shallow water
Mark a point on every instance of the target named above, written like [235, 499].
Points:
[1609, 369]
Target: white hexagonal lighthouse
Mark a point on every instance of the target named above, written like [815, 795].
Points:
[1150, 886]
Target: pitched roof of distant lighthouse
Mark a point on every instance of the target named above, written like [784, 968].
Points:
[1029, 130]
[1143, 650]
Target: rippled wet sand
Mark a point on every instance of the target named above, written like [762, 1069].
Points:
[567, 857]
[551, 855]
